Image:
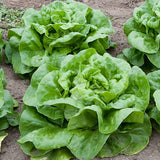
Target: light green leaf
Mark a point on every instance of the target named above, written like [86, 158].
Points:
[129, 139]
[47, 138]
[1, 94]
[43, 134]
[30, 16]
[134, 56]
[58, 154]
[28, 119]
[3, 123]
[31, 49]
[156, 9]
[154, 114]
[154, 59]
[87, 146]
[139, 86]
[49, 88]
[156, 96]
[108, 123]
[143, 42]
[154, 80]
[143, 13]
[12, 51]
[131, 25]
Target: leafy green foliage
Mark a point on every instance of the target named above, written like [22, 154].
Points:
[1, 44]
[143, 35]
[125, 139]
[58, 29]
[10, 18]
[85, 105]
[7, 114]
[154, 109]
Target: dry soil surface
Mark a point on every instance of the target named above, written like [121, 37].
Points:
[121, 10]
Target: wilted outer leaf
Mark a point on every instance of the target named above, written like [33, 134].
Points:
[2, 136]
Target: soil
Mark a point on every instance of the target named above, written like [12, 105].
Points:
[121, 10]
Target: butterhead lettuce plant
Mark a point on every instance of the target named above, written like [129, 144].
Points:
[58, 29]
[7, 114]
[143, 35]
[92, 105]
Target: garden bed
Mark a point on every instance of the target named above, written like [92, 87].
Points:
[120, 11]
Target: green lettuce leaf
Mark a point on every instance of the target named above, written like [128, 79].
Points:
[131, 25]
[156, 96]
[125, 139]
[58, 154]
[154, 80]
[143, 42]
[87, 148]
[12, 51]
[154, 59]
[154, 109]
[134, 56]
[154, 114]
